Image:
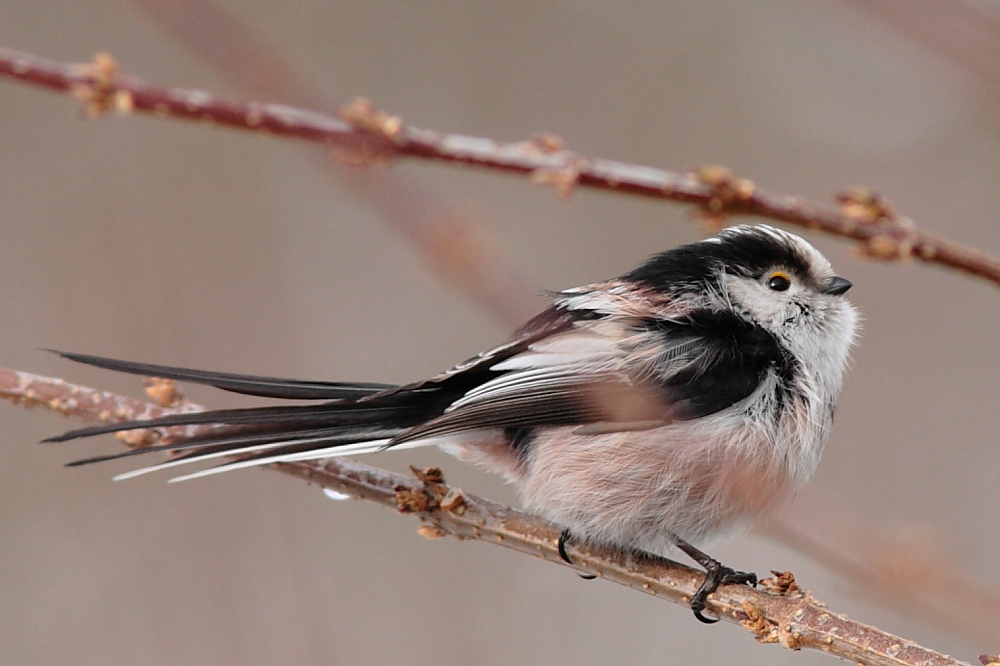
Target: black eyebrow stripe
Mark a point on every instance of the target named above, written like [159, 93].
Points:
[750, 253]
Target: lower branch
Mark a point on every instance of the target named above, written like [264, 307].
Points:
[780, 612]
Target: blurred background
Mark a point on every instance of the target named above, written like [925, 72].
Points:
[178, 243]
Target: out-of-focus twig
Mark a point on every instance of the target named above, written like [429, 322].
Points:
[780, 613]
[963, 33]
[222, 41]
[906, 572]
[448, 240]
[369, 135]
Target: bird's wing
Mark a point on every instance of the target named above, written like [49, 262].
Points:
[573, 377]
[617, 374]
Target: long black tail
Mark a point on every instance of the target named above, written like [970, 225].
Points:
[355, 418]
[265, 387]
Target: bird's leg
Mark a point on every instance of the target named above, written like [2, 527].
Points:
[563, 538]
[716, 574]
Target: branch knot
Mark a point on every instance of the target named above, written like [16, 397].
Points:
[424, 498]
[362, 114]
[99, 92]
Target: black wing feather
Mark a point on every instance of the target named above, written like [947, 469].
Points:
[732, 357]
[566, 406]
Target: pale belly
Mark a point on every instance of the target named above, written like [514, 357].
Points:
[637, 489]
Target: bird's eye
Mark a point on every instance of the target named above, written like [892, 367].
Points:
[779, 281]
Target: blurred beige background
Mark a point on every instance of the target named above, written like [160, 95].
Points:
[176, 243]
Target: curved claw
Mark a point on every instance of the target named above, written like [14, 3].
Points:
[706, 620]
[561, 545]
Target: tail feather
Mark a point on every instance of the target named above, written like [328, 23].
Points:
[287, 418]
[262, 454]
[310, 453]
[217, 440]
[205, 453]
[264, 387]
[287, 450]
[355, 419]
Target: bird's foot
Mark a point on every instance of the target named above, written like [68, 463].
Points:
[716, 574]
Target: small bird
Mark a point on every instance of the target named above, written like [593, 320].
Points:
[664, 408]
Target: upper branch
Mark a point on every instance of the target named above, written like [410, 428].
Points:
[363, 134]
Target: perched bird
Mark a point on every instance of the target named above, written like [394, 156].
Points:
[663, 408]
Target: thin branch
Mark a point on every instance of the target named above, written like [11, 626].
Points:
[363, 135]
[780, 613]
[452, 244]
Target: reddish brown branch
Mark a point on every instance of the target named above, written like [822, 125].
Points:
[368, 135]
[779, 613]
[442, 236]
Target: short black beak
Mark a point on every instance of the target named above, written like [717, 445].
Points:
[836, 286]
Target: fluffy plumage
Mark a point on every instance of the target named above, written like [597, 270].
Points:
[679, 401]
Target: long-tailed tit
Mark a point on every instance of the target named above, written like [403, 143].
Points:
[671, 405]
